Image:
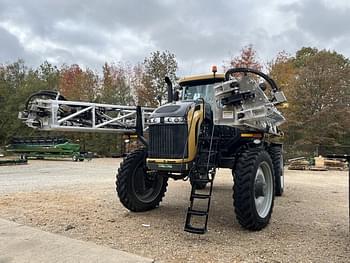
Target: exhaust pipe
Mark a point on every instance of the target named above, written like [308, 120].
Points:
[170, 89]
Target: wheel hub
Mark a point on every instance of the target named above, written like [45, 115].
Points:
[146, 186]
[260, 187]
[263, 189]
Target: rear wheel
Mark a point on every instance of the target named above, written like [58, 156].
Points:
[277, 161]
[253, 189]
[137, 188]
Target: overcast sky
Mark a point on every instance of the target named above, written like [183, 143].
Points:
[199, 33]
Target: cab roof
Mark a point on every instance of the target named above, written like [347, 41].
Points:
[203, 79]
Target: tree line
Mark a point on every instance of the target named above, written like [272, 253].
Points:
[120, 83]
[316, 83]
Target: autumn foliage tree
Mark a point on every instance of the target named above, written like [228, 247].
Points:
[140, 84]
[323, 83]
[116, 88]
[49, 76]
[154, 70]
[246, 59]
[12, 86]
[78, 84]
[283, 71]
[17, 83]
[316, 83]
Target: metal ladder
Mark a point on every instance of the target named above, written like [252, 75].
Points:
[208, 166]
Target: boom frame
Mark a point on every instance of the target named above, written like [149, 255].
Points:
[78, 116]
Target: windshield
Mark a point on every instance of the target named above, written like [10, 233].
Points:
[205, 91]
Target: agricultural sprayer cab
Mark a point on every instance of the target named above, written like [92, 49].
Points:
[210, 121]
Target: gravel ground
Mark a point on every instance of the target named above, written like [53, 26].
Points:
[310, 223]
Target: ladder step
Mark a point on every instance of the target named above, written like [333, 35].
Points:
[196, 212]
[200, 196]
[195, 230]
[201, 180]
[205, 167]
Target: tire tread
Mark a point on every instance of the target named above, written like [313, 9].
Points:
[122, 178]
[243, 202]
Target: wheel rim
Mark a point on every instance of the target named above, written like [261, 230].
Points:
[146, 187]
[282, 182]
[263, 189]
[282, 174]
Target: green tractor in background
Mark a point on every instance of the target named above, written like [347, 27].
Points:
[45, 147]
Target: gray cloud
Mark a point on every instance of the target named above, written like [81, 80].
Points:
[200, 33]
[10, 47]
[322, 21]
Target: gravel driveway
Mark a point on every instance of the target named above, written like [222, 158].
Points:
[310, 223]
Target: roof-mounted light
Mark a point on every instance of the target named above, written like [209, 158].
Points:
[214, 69]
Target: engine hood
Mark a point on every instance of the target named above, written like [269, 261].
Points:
[177, 109]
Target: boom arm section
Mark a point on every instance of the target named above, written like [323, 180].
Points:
[243, 103]
[62, 115]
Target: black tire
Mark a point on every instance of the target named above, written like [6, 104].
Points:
[245, 191]
[129, 186]
[75, 158]
[277, 161]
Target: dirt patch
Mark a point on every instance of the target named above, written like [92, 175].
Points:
[309, 223]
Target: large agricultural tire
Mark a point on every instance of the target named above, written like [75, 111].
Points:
[137, 190]
[253, 190]
[277, 161]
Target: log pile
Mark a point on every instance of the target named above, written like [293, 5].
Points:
[298, 164]
[330, 164]
[321, 164]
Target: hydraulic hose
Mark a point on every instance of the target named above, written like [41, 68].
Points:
[256, 72]
[47, 93]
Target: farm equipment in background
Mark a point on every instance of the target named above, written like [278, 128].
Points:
[11, 161]
[299, 163]
[45, 147]
[319, 163]
[210, 121]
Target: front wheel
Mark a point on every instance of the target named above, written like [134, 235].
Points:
[253, 189]
[139, 189]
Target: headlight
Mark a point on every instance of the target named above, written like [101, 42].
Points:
[154, 120]
[174, 120]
